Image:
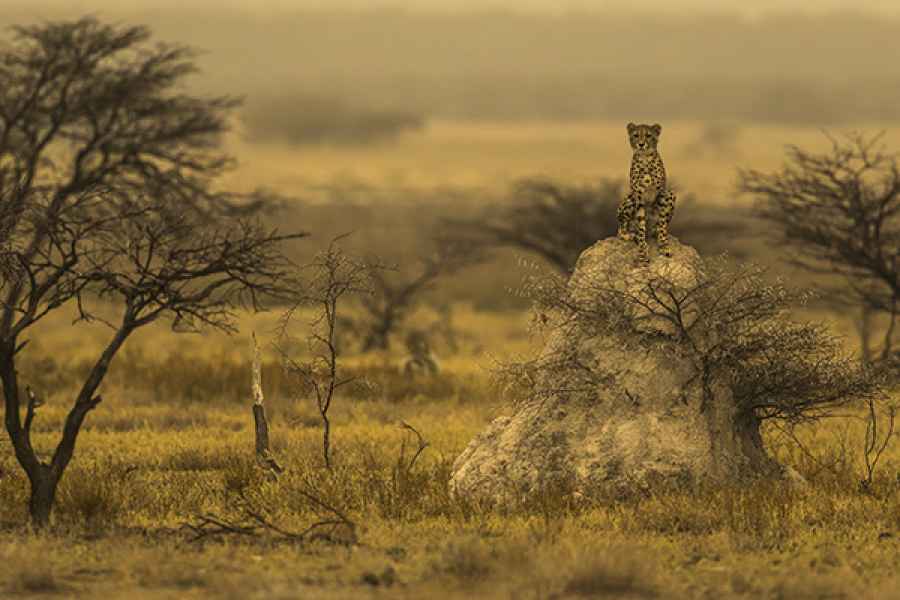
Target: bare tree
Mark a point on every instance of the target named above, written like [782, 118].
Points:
[558, 222]
[334, 276]
[106, 188]
[840, 213]
[395, 296]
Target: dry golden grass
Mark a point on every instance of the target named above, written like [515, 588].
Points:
[151, 459]
[173, 438]
[491, 155]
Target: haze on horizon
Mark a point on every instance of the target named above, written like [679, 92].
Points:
[684, 7]
[347, 71]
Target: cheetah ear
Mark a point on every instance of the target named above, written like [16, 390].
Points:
[656, 128]
[631, 127]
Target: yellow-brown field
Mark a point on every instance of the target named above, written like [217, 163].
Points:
[491, 155]
[173, 439]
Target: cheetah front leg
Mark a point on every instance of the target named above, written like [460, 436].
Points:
[641, 218]
[664, 217]
[626, 214]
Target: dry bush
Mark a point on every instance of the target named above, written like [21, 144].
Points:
[48, 374]
[241, 473]
[400, 489]
[308, 119]
[201, 459]
[101, 493]
[193, 379]
[732, 324]
[386, 383]
[163, 570]
[469, 560]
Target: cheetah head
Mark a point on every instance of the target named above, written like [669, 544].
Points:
[643, 138]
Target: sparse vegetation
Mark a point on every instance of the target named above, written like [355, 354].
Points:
[164, 498]
[558, 221]
[409, 522]
[106, 182]
[732, 324]
[309, 119]
[665, 545]
[394, 295]
[335, 277]
[837, 215]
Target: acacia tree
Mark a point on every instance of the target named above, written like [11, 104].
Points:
[107, 197]
[730, 323]
[395, 295]
[558, 221]
[840, 213]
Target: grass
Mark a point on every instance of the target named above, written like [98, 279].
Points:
[144, 468]
[173, 439]
[488, 155]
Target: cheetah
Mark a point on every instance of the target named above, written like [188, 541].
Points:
[647, 192]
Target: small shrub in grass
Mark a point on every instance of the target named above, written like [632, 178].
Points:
[388, 383]
[208, 458]
[762, 516]
[97, 494]
[822, 587]
[176, 494]
[673, 513]
[184, 378]
[35, 577]
[606, 575]
[468, 559]
[13, 491]
[36, 581]
[241, 473]
[398, 488]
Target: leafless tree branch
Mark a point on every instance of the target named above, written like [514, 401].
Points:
[107, 196]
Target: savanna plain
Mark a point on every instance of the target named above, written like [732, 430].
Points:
[172, 441]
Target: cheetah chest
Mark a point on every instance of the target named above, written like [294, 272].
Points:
[648, 177]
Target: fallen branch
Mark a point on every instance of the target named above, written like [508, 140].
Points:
[214, 526]
[252, 523]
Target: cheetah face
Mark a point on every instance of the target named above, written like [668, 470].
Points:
[643, 138]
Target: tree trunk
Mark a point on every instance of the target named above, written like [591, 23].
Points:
[326, 440]
[377, 339]
[864, 330]
[43, 492]
[889, 334]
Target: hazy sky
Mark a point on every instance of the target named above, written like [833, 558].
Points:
[744, 7]
[313, 75]
[314, 58]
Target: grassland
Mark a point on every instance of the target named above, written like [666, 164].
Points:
[173, 440]
[701, 156]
